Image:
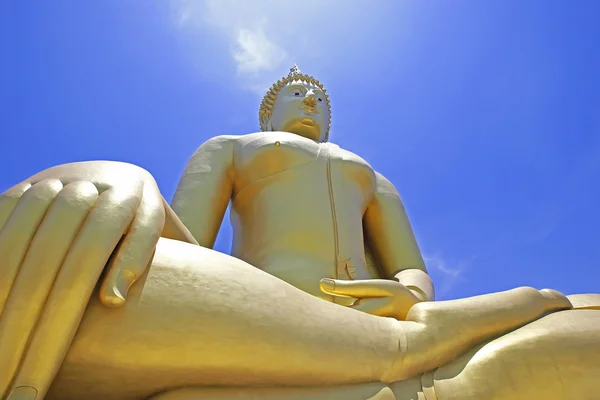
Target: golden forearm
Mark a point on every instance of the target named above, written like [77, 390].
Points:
[392, 241]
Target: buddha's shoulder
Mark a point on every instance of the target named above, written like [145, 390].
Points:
[232, 141]
[282, 140]
[256, 136]
[270, 136]
[348, 156]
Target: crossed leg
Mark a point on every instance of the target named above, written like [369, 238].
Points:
[553, 358]
[206, 319]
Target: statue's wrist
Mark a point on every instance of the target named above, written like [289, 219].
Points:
[418, 282]
[418, 293]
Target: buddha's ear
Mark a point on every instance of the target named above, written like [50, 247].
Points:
[269, 126]
[324, 137]
[265, 125]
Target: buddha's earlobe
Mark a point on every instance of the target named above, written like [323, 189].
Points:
[323, 137]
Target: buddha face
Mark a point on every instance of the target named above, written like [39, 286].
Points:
[301, 108]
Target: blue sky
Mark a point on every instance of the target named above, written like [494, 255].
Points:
[484, 114]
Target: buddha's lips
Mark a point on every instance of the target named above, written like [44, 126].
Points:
[309, 110]
[308, 121]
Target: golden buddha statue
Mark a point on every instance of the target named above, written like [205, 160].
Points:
[107, 292]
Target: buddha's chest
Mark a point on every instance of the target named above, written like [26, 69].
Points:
[266, 154]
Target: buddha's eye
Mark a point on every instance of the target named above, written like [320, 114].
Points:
[296, 93]
[320, 99]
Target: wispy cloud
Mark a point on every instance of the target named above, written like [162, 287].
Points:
[256, 53]
[252, 36]
[448, 274]
[264, 36]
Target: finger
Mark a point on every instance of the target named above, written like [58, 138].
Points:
[136, 249]
[20, 228]
[380, 306]
[9, 200]
[359, 289]
[37, 272]
[74, 286]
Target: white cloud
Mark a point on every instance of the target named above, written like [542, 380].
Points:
[448, 276]
[256, 53]
[264, 38]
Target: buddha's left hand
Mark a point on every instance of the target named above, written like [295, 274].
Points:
[381, 297]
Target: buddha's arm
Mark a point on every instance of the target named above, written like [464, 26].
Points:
[392, 241]
[205, 189]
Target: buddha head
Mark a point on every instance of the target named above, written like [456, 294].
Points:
[298, 104]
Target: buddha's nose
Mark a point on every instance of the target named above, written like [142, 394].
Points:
[310, 100]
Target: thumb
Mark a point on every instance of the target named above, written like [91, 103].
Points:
[358, 289]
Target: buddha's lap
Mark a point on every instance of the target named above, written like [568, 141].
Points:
[183, 283]
[184, 286]
[162, 330]
[363, 391]
[158, 331]
[555, 357]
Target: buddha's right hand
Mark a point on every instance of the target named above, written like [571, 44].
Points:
[58, 229]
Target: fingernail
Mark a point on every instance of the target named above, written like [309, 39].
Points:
[118, 292]
[124, 282]
[328, 284]
[23, 393]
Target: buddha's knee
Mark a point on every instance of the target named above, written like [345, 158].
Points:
[555, 357]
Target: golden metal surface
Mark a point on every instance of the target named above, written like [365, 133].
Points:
[107, 292]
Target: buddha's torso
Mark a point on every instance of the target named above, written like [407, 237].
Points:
[297, 209]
